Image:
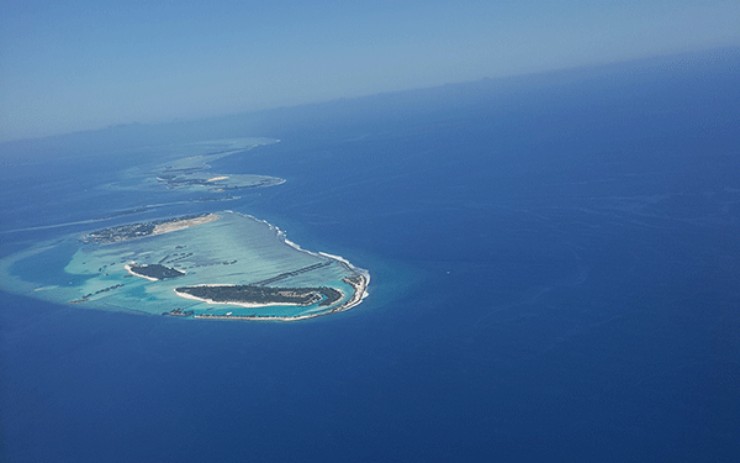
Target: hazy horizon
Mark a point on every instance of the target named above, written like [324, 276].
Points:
[91, 66]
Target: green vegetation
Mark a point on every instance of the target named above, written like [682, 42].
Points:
[252, 294]
[158, 271]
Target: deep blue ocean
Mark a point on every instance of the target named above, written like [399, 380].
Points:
[555, 267]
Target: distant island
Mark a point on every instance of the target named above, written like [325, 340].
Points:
[193, 173]
[215, 182]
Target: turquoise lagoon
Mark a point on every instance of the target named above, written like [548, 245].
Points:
[233, 249]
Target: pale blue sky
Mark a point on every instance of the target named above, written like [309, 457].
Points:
[72, 65]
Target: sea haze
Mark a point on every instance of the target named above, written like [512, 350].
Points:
[554, 265]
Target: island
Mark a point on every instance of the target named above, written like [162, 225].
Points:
[153, 272]
[260, 296]
[192, 173]
[141, 230]
[186, 179]
[220, 265]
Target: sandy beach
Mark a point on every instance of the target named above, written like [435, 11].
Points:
[169, 227]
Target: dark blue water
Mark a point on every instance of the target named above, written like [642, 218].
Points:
[556, 268]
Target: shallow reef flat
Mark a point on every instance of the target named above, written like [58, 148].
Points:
[222, 265]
